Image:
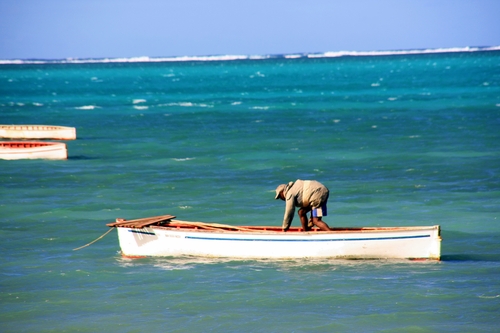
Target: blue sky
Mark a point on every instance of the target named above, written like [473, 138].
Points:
[56, 29]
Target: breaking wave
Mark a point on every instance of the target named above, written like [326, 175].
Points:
[86, 107]
[249, 57]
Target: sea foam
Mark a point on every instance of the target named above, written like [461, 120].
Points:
[228, 57]
[86, 107]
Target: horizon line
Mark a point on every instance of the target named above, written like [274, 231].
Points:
[232, 57]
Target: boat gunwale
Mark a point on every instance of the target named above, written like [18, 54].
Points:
[294, 231]
[35, 127]
[22, 146]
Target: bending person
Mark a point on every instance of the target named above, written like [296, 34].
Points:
[310, 196]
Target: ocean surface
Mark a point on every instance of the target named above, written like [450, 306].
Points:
[400, 139]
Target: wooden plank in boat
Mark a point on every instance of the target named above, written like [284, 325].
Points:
[140, 223]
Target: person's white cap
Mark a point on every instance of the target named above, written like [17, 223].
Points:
[278, 190]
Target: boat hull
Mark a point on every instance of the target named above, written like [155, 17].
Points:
[355, 243]
[37, 132]
[15, 150]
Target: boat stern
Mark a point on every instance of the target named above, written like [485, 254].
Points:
[435, 247]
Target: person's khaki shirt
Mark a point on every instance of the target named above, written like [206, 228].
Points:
[303, 193]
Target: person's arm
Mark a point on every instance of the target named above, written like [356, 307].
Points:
[289, 212]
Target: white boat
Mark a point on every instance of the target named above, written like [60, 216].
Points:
[37, 132]
[165, 236]
[16, 150]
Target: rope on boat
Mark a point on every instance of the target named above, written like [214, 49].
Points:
[95, 240]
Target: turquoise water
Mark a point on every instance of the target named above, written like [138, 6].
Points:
[399, 140]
